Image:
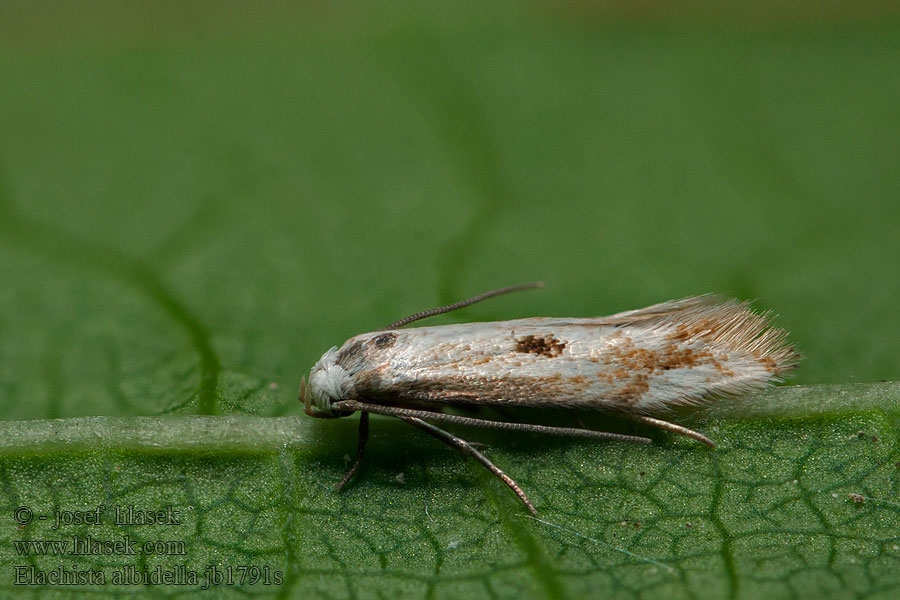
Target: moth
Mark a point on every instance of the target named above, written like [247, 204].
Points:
[639, 365]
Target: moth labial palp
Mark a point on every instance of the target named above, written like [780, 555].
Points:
[637, 364]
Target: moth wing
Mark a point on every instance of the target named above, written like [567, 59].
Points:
[671, 354]
[659, 311]
[441, 397]
[558, 392]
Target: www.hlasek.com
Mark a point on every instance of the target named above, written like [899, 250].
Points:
[86, 545]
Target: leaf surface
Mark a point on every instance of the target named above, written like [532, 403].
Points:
[798, 502]
[195, 206]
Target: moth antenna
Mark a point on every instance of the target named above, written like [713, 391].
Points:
[675, 427]
[462, 303]
[400, 413]
[304, 396]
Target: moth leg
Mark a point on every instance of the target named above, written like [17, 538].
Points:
[463, 445]
[660, 424]
[363, 438]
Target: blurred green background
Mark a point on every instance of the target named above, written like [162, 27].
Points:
[197, 200]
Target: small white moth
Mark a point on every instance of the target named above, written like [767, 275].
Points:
[633, 364]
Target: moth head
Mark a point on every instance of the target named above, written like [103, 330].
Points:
[328, 383]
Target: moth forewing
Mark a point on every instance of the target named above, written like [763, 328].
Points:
[635, 364]
[643, 365]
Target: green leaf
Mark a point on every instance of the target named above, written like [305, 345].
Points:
[195, 205]
[807, 501]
